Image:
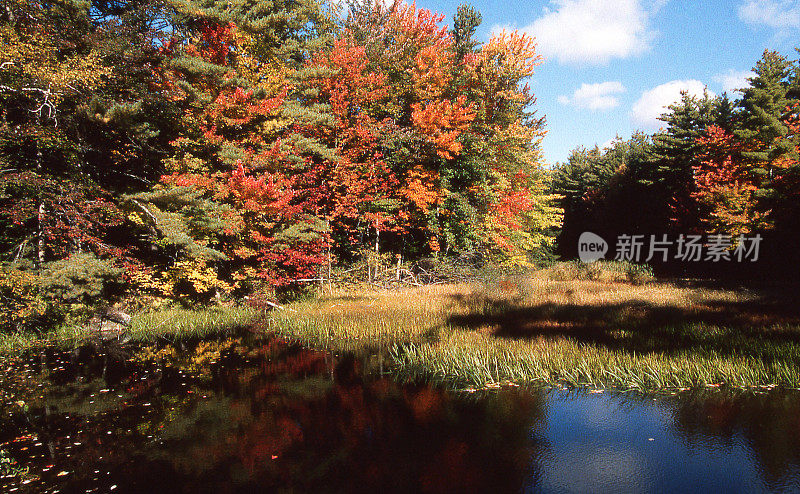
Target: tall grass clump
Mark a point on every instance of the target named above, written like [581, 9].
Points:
[352, 320]
[476, 360]
[191, 323]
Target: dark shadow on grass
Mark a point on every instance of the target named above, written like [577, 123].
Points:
[724, 328]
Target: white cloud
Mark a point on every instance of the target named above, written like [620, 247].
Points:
[600, 96]
[593, 31]
[610, 143]
[654, 102]
[734, 79]
[778, 14]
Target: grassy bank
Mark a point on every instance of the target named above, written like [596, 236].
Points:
[541, 330]
[552, 327]
[171, 324]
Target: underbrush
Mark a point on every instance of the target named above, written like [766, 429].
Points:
[607, 271]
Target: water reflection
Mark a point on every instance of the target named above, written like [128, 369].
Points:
[238, 416]
[259, 415]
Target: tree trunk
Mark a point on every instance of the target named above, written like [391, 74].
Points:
[40, 243]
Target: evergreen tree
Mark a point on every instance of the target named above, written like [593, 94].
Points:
[674, 157]
[465, 23]
[765, 105]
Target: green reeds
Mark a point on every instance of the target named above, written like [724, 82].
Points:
[164, 324]
[189, 323]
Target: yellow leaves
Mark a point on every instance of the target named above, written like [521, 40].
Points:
[243, 252]
[39, 62]
[19, 296]
[209, 353]
[197, 273]
[270, 75]
[443, 121]
[153, 354]
[186, 163]
[136, 218]
[190, 273]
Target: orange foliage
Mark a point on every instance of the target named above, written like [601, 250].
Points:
[421, 188]
[431, 74]
[418, 27]
[517, 51]
[443, 121]
[724, 186]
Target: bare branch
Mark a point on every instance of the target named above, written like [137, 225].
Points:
[146, 211]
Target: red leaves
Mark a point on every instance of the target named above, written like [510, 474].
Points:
[353, 88]
[718, 166]
[724, 186]
[257, 194]
[72, 214]
[213, 42]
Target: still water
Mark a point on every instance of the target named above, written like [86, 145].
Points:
[250, 414]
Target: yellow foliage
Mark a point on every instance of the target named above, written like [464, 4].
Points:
[19, 297]
[197, 273]
[515, 52]
[36, 58]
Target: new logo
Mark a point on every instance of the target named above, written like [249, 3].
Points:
[591, 247]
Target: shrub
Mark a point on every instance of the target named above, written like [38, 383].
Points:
[20, 299]
[80, 279]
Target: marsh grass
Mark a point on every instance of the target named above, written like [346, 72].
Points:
[358, 319]
[67, 335]
[191, 323]
[170, 324]
[537, 330]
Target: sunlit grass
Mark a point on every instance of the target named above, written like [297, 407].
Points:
[356, 319]
[190, 323]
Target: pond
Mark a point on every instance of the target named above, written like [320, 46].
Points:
[257, 414]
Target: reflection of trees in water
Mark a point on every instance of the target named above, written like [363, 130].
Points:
[768, 424]
[310, 422]
[276, 416]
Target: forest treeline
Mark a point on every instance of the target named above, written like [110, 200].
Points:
[189, 150]
[717, 167]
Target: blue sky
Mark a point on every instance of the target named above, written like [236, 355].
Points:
[611, 65]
